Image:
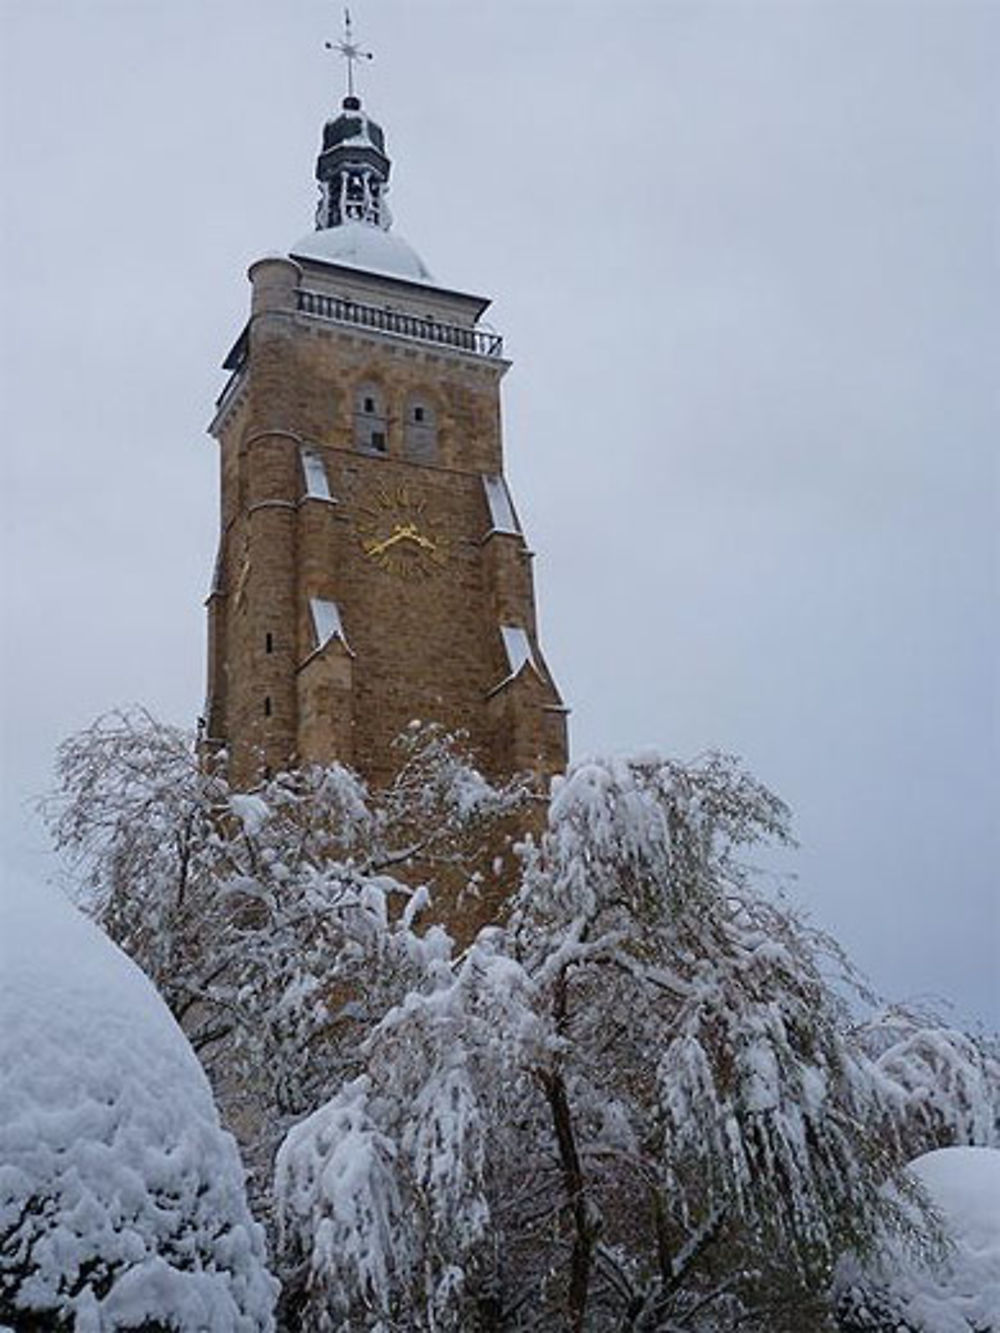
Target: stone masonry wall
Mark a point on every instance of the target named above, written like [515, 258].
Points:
[421, 613]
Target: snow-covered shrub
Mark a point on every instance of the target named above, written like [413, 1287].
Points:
[122, 1203]
[952, 1283]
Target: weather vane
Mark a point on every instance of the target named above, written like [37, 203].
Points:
[350, 50]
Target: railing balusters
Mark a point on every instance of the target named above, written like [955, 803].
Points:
[478, 341]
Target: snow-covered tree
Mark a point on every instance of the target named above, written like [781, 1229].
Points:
[122, 1202]
[647, 1097]
[268, 920]
[649, 1103]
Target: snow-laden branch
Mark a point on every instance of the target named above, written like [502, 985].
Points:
[648, 1097]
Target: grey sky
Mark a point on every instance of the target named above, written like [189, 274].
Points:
[745, 258]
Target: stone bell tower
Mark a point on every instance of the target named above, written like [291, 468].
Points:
[371, 567]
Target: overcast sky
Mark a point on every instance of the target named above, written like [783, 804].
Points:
[745, 259]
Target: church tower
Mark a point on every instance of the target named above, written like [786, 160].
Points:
[371, 567]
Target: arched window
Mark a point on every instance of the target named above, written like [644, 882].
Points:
[370, 420]
[420, 429]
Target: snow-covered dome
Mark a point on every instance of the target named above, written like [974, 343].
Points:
[361, 245]
[121, 1198]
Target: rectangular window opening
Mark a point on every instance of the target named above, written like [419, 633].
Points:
[268, 642]
[369, 405]
[378, 440]
[267, 705]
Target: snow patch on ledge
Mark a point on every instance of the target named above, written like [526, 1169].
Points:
[502, 516]
[314, 474]
[327, 623]
[517, 646]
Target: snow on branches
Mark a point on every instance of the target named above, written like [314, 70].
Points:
[651, 1102]
[644, 1098]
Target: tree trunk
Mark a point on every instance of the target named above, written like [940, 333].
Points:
[584, 1228]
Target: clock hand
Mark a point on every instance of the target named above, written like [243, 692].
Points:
[401, 532]
[377, 548]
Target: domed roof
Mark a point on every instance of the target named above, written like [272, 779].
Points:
[363, 246]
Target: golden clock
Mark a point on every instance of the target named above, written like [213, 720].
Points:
[397, 533]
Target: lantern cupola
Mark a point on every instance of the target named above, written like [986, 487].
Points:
[353, 170]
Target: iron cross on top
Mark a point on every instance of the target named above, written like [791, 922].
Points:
[350, 50]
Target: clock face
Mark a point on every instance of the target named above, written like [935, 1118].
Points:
[396, 533]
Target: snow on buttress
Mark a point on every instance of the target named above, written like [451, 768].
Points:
[121, 1198]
